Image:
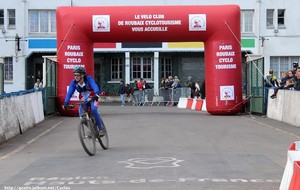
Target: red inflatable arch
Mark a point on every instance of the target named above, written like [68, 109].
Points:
[217, 26]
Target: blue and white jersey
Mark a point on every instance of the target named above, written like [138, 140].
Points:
[85, 94]
[84, 89]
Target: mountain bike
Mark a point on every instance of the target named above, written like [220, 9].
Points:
[88, 131]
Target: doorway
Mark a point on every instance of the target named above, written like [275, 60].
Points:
[34, 69]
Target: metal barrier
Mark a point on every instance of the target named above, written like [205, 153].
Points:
[167, 97]
[141, 97]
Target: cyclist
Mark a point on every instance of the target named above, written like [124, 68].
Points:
[84, 84]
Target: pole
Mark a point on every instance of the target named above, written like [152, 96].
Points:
[1, 76]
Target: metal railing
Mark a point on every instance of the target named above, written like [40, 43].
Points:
[167, 97]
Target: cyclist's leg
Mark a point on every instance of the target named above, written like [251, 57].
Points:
[94, 110]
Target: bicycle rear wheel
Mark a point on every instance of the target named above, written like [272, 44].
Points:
[104, 141]
[87, 137]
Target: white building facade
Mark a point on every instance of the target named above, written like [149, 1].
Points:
[270, 29]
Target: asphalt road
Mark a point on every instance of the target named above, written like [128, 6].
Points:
[155, 148]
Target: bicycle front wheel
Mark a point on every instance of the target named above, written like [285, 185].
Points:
[104, 142]
[87, 137]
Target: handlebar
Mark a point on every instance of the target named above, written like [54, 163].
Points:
[82, 102]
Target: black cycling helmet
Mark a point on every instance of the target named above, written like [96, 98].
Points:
[79, 69]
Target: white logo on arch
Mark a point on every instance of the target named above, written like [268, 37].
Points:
[101, 23]
[197, 22]
[227, 92]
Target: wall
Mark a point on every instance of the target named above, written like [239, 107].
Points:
[18, 113]
[285, 107]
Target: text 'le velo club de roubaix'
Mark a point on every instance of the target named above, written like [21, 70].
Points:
[149, 23]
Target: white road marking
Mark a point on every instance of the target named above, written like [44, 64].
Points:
[150, 163]
[22, 147]
[71, 181]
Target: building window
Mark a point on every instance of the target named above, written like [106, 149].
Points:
[53, 21]
[247, 21]
[165, 67]
[42, 22]
[270, 18]
[11, 18]
[8, 68]
[1, 18]
[282, 64]
[280, 17]
[116, 68]
[147, 68]
[278, 21]
[141, 67]
[136, 67]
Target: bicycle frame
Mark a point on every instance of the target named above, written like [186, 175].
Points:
[88, 130]
[87, 115]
